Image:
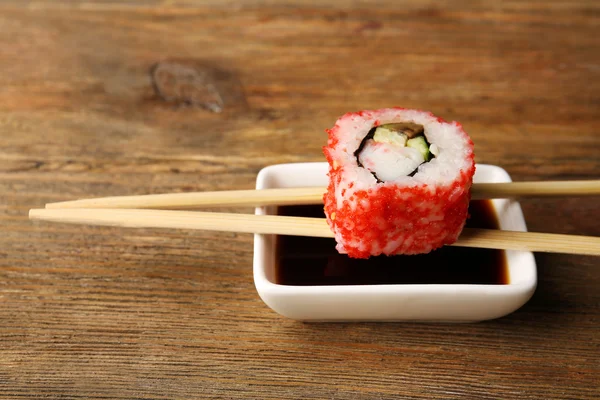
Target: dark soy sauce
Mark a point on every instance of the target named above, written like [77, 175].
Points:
[315, 261]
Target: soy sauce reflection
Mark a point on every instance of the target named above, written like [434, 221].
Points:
[305, 261]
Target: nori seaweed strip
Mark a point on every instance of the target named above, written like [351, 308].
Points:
[363, 143]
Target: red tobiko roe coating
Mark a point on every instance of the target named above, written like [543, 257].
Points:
[395, 216]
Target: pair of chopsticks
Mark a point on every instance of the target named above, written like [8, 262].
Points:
[158, 211]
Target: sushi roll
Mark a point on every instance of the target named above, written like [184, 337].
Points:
[399, 182]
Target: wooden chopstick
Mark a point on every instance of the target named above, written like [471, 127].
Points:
[192, 200]
[535, 189]
[300, 226]
[198, 220]
[314, 195]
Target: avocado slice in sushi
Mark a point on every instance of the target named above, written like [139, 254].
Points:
[383, 134]
[420, 144]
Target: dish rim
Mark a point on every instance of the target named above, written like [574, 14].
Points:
[262, 281]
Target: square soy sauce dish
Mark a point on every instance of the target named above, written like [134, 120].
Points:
[306, 279]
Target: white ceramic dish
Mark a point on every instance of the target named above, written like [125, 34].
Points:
[433, 302]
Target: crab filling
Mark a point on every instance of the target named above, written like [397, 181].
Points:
[393, 150]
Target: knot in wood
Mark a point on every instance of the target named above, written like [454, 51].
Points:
[186, 84]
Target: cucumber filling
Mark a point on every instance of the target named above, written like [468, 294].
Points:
[390, 151]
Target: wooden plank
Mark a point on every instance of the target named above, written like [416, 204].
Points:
[90, 312]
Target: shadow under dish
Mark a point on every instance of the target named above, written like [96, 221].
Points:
[309, 261]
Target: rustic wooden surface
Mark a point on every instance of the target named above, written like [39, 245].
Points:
[90, 312]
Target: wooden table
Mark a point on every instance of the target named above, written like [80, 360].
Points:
[93, 312]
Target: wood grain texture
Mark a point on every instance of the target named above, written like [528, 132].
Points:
[108, 313]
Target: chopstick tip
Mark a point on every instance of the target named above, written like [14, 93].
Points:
[34, 213]
[53, 205]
